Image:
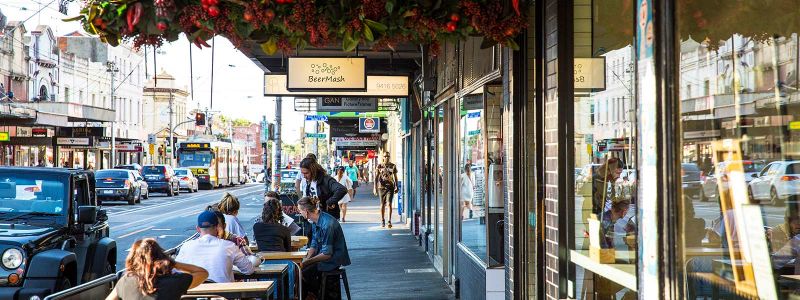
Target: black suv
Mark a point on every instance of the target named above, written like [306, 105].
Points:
[52, 234]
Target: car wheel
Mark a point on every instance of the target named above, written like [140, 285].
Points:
[703, 197]
[139, 197]
[773, 196]
[132, 200]
[170, 192]
[178, 191]
[147, 194]
[63, 283]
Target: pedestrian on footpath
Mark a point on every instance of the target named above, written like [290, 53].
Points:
[348, 184]
[352, 172]
[467, 185]
[317, 183]
[327, 250]
[214, 254]
[229, 207]
[386, 186]
[149, 275]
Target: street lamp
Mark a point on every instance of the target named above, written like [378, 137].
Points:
[111, 67]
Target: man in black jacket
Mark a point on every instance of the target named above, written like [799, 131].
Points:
[317, 183]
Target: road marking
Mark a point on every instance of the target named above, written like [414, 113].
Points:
[135, 210]
[134, 232]
[163, 236]
[423, 270]
[161, 229]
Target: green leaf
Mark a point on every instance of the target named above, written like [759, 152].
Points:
[389, 6]
[510, 43]
[375, 25]
[368, 34]
[75, 18]
[348, 42]
[488, 43]
[121, 9]
[270, 47]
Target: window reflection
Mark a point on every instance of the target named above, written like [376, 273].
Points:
[739, 111]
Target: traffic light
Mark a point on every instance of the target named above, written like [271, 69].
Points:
[200, 119]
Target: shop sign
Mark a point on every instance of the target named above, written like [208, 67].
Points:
[39, 132]
[369, 125]
[128, 147]
[473, 101]
[4, 136]
[66, 141]
[474, 132]
[473, 115]
[317, 118]
[377, 86]
[24, 132]
[330, 104]
[590, 73]
[316, 135]
[326, 74]
[357, 143]
[80, 131]
[701, 134]
[794, 125]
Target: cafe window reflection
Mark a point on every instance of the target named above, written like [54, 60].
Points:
[740, 150]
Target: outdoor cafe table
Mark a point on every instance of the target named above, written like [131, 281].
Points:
[275, 272]
[235, 290]
[298, 241]
[296, 256]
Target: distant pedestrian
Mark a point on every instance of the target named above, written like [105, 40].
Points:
[352, 172]
[348, 184]
[41, 163]
[467, 185]
[327, 250]
[386, 186]
[316, 183]
[149, 275]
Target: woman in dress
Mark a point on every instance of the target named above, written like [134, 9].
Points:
[150, 275]
[348, 183]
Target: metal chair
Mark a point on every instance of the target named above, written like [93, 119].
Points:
[340, 273]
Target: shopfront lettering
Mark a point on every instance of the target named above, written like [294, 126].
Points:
[324, 79]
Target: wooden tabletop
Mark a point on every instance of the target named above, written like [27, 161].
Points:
[296, 255]
[232, 287]
[298, 241]
[792, 277]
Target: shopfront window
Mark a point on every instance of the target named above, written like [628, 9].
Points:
[740, 111]
[440, 178]
[481, 193]
[604, 242]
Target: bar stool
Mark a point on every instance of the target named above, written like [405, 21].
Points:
[340, 273]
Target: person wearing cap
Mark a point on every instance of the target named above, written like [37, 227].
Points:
[216, 255]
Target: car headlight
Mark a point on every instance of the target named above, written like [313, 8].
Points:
[12, 258]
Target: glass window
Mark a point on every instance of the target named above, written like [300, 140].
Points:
[746, 58]
[440, 178]
[27, 195]
[472, 174]
[604, 240]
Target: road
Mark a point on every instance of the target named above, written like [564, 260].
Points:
[172, 219]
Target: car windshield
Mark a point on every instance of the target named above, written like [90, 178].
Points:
[181, 172]
[110, 174]
[194, 158]
[31, 193]
[153, 170]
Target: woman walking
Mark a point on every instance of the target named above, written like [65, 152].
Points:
[150, 275]
[348, 183]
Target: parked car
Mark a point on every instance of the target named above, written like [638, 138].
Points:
[717, 178]
[778, 182]
[135, 167]
[52, 234]
[162, 179]
[117, 184]
[691, 182]
[583, 181]
[186, 179]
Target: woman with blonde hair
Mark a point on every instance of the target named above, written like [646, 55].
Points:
[149, 275]
[229, 206]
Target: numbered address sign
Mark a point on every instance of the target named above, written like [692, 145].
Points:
[590, 73]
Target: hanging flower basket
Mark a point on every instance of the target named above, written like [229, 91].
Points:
[296, 24]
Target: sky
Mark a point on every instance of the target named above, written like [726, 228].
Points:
[238, 82]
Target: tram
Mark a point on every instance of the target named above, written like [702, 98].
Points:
[214, 163]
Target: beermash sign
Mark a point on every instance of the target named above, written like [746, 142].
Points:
[326, 74]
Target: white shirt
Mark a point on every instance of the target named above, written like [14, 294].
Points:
[467, 185]
[348, 184]
[216, 255]
[233, 225]
[304, 184]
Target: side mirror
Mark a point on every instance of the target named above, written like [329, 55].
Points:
[755, 175]
[87, 214]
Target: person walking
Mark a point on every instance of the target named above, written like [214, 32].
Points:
[386, 186]
[352, 171]
[149, 275]
[467, 185]
[327, 250]
[317, 183]
[348, 184]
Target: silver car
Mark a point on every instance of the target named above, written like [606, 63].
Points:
[717, 179]
[186, 179]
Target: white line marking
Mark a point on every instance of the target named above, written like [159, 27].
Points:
[134, 232]
[220, 192]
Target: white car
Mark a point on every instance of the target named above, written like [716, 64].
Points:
[777, 182]
[187, 180]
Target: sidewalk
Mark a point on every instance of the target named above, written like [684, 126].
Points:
[387, 263]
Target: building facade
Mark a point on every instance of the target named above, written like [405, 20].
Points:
[249, 137]
[164, 102]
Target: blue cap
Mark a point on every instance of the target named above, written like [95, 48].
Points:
[207, 219]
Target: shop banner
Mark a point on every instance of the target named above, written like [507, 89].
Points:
[377, 86]
[369, 125]
[327, 74]
[24, 132]
[590, 73]
[330, 104]
[39, 132]
[4, 136]
[63, 141]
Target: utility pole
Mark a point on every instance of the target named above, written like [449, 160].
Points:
[276, 160]
[264, 137]
[112, 69]
[171, 140]
[315, 148]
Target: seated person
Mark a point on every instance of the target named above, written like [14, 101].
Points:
[149, 275]
[608, 220]
[229, 206]
[216, 255]
[327, 250]
[784, 239]
[270, 233]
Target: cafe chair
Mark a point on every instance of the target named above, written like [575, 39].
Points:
[340, 273]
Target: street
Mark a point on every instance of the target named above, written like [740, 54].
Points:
[172, 219]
